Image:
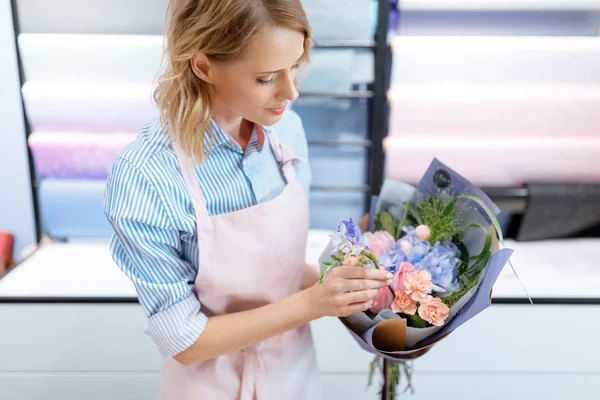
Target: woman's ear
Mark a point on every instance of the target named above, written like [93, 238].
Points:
[201, 66]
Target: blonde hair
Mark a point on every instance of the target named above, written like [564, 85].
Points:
[220, 29]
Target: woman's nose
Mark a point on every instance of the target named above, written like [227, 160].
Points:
[288, 88]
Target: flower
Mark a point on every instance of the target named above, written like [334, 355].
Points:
[348, 239]
[391, 258]
[415, 248]
[400, 276]
[423, 232]
[405, 245]
[443, 263]
[433, 310]
[379, 242]
[418, 284]
[382, 300]
[404, 304]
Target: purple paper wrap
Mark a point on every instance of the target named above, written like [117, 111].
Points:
[76, 155]
[437, 177]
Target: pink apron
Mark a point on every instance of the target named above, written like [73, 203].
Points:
[250, 258]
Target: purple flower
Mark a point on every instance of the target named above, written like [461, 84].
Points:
[348, 239]
[442, 262]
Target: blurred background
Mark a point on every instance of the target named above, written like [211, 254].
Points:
[506, 92]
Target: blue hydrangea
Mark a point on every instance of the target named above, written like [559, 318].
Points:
[392, 258]
[442, 262]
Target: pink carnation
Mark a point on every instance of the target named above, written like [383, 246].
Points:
[379, 242]
[404, 269]
[404, 304]
[433, 310]
[417, 284]
[382, 300]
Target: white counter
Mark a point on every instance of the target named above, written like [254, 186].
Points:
[561, 269]
[71, 329]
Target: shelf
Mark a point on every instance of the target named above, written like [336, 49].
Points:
[356, 94]
[340, 143]
[356, 188]
[342, 44]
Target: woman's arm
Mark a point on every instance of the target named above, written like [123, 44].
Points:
[345, 291]
[311, 275]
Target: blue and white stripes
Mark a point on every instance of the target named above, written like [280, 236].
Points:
[155, 242]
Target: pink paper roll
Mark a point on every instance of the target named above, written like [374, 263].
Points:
[497, 161]
[76, 155]
[490, 110]
[88, 106]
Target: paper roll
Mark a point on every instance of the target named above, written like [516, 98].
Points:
[494, 110]
[87, 106]
[497, 5]
[144, 17]
[73, 209]
[76, 155]
[81, 57]
[139, 59]
[488, 59]
[487, 22]
[497, 161]
[92, 16]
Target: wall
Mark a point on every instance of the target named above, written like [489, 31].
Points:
[16, 202]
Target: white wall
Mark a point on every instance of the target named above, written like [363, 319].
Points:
[16, 204]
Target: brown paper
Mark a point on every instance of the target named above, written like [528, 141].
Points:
[390, 335]
[363, 224]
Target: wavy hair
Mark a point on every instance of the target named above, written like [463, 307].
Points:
[220, 29]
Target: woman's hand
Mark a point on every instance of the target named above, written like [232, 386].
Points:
[346, 290]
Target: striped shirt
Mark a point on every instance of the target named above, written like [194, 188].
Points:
[154, 241]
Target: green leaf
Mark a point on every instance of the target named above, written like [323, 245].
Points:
[403, 221]
[452, 299]
[474, 270]
[416, 215]
[385, 222]
[496, 224]
[450, 208]
[416, 322]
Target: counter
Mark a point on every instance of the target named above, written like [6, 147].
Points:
[72, 328]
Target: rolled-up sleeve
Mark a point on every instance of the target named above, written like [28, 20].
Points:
[147, 248]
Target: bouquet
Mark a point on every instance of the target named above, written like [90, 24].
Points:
[440, 240]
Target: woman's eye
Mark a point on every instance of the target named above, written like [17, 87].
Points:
[266, 81]
[296, 66]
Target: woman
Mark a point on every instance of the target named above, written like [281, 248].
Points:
[210, 213]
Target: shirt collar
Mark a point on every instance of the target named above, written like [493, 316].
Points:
[215, 136]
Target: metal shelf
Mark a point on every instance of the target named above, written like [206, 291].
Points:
[340, 143]
[353, 94]
[345, 44]
[356, 188]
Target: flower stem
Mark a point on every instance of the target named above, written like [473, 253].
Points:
[372, 257]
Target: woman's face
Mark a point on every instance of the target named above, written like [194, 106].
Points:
[259, 86]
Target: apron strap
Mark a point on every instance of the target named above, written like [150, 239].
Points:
[192, 185]
[283, 154]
